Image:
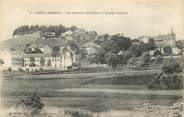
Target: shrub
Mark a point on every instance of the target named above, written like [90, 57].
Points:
[157, 52]
[137, 49]
[1, 62]
[145, 58]
[112, 59]
[171, 66]
[78, 113]
[134, 61]
[32, 104]
[167, 50]
[159, 59]
[20, 70]
[9, 69]
[124, 56]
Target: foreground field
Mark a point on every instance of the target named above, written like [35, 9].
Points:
[104, 94]
[92, 92]
[144, 110]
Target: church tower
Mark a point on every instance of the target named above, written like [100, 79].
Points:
[172, 38]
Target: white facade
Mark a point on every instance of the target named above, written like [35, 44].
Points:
[175, 51]
[64, 61]
[6, 57]
[67, 35]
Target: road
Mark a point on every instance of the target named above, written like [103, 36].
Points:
[84, 75]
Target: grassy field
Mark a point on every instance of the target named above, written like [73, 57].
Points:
[54, 90]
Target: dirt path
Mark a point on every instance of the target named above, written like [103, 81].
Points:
[84, 75]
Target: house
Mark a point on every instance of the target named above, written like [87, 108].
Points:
[79, 32]
[176, 51]
[46, 49]
[144, 39]
[10, 60]
[91, 48]
[64, 60]
[48, 35]
[161, 40]
[5, 57]
[67, 35]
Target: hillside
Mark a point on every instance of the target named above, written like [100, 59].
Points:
[19, 42]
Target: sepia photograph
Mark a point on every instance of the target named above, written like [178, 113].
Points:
[95, 58]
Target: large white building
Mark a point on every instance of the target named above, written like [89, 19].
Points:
[11, 60]
[64, 60]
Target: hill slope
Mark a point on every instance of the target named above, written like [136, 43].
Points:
[19, 42]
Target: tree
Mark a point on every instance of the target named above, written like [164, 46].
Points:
[167, 50]
[145, 58]
[57, 29]
[106, 36]
[42, 61]
[111, 59]
[73, 28]
[171, 66]
[151, 44]
[32, 103]
[157, 53]
[124, 56]
[122, 42]
[169, 77]
[134, 61]
[1, 62]
[98, 58]
[137, 49]
[32, 62]
[116, 43]
[56, 51]
[180, 45]
[110, 45]
[74, 46]
[159, 59]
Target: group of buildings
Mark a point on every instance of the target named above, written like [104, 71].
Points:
[44, 60]
[163, 40]
[45, 57]
[70, 35]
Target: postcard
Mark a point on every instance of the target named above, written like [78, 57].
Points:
[91, 58]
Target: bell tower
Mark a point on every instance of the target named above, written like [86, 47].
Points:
[172, 37]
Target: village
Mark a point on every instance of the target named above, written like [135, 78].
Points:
[77, 48]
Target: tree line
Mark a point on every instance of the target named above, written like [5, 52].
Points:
[57, 29]
[119, 49]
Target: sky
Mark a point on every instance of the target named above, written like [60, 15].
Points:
[140, 17]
